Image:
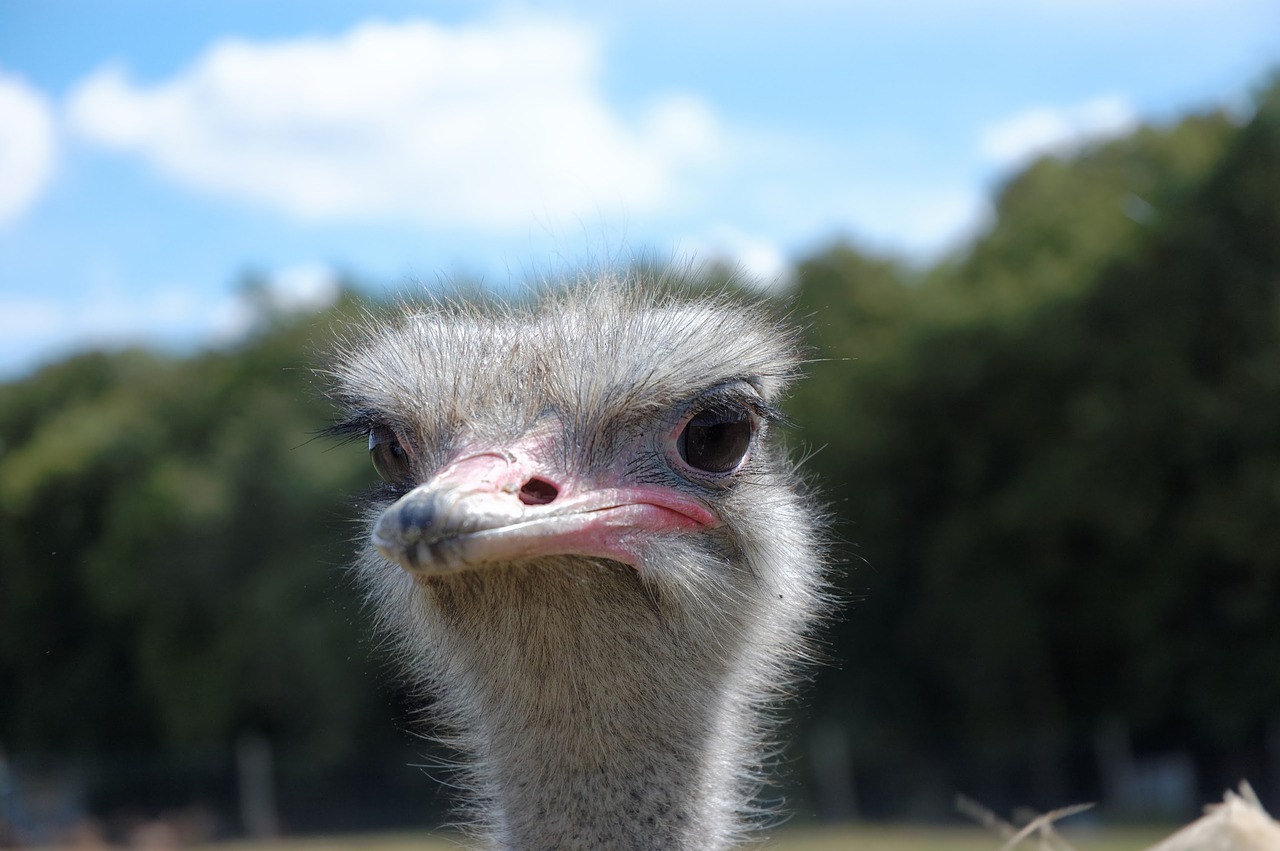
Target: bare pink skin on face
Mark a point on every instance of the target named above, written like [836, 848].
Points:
[504, 504]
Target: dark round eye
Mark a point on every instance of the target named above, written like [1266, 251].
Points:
[716, 441]
[389, 456]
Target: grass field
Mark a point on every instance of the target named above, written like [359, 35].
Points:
[796, 839]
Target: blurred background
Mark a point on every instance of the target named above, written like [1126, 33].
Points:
[1037, 247]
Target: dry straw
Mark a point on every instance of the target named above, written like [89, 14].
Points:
[1239, 823]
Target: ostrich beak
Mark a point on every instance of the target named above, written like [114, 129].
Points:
[500, 506]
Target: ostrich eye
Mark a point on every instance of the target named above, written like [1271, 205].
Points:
[388, 454]
[716, 441]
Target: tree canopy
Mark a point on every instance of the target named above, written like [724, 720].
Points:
[1053, 460]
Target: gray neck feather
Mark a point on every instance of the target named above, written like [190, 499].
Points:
[596, 714]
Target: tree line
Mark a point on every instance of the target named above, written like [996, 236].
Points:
[1052, 457]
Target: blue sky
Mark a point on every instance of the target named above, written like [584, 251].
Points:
[153, 152]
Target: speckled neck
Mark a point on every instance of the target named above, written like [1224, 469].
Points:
[598, 718]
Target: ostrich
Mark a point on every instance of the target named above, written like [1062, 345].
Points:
[590, 553]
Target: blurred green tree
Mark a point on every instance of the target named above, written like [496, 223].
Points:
[1059, 465]
[173, 542]
[1056, 456]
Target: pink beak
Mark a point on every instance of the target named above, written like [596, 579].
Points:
[501, 506]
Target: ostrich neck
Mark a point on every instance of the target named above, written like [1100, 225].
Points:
[598, 715]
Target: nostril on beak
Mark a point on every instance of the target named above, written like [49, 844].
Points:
[417, 512]
[538, 492]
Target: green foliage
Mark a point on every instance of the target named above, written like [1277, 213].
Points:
[172, 542]
[1059, 460]
[1055, 461]
[1059, 223]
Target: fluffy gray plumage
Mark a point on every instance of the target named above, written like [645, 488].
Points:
[598, 704]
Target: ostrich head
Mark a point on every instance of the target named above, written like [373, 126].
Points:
[589, 550]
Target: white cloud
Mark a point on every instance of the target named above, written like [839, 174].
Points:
[37, 326]
[27, 146]
[922, 220]
[495, 124]
[105, 316]
[304, 287]
[1041, 130]
[940, 220]
[758, 258]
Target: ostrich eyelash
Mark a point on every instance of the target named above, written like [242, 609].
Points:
[355, 427]
[727, 398]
